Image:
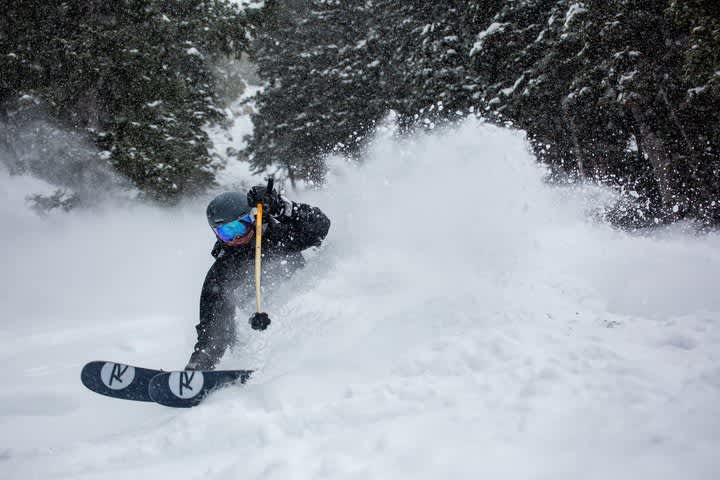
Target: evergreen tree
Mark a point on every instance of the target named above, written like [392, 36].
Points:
[623, 92]
[697, 24]
[427, 60]
[136, 75]
[523, 58]
[613, 100]
[319, 60]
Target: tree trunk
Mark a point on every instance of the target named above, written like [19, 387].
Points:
[576, 144]
[661, 163]
[676, 120]
[88, 107]
[291, 176]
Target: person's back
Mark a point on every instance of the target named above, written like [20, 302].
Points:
[288, 229]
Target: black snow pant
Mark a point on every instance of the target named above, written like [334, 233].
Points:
[230, 283]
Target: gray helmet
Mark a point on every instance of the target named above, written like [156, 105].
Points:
[227, 207]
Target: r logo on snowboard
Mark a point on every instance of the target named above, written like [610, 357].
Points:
[186, 384]
[117, 376]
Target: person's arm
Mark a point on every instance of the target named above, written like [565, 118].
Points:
[300, 226]
[294, 226]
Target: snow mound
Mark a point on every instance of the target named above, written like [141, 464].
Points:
[463, 320]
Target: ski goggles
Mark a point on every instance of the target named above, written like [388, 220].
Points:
[228, 232]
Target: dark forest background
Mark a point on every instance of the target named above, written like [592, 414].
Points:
[625, 93]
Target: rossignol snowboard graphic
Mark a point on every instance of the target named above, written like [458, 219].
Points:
[181, 389]
[118, 380]
[187, 388]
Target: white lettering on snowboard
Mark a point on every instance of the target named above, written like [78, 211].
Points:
[186, 384]
[117, 376]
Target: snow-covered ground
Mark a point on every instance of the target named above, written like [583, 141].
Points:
[463, 321]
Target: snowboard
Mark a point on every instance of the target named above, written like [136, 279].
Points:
[118, 380]
[187, 388]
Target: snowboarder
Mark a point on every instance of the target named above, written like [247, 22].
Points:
[287, 229]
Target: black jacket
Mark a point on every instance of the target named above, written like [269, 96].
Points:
[230, 279]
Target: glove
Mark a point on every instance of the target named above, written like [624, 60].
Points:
[259, 321]
[272, 202]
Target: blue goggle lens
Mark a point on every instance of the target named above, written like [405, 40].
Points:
[237, 228]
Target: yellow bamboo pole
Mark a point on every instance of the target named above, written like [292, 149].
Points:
[258, 253]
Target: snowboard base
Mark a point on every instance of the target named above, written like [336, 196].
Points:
[180, 389]
[187, 388]
[118, 380]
